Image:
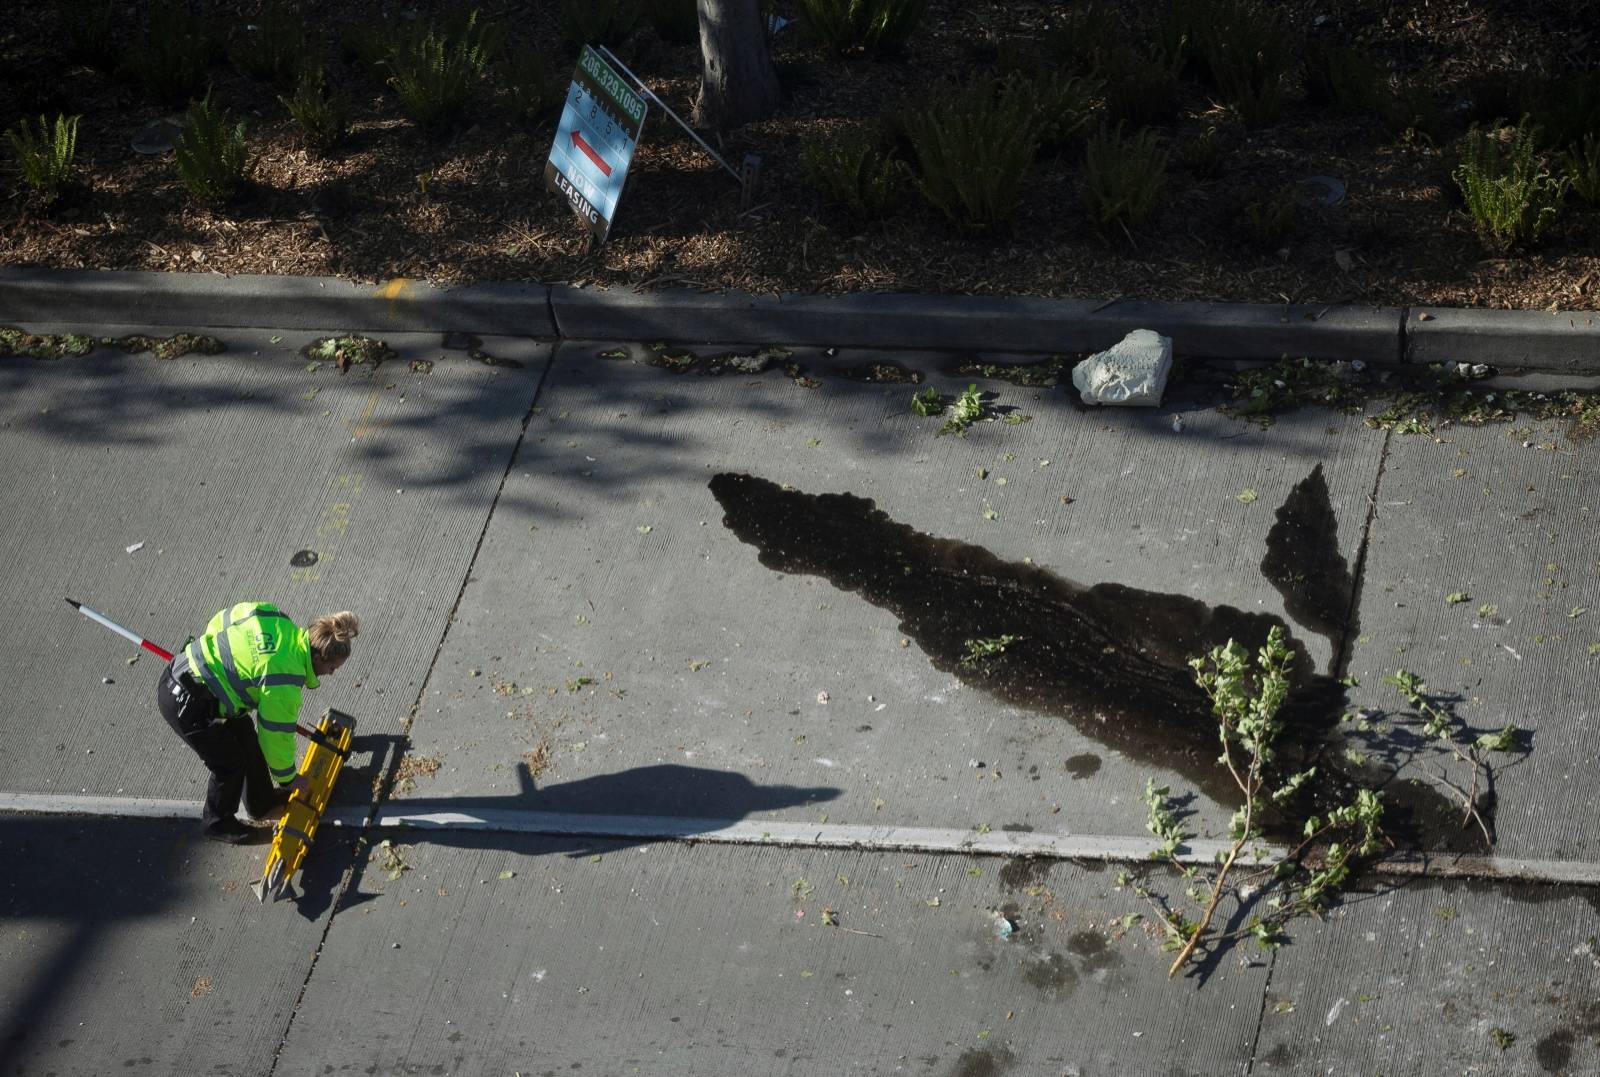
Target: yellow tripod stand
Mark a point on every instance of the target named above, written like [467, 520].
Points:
[330, 747]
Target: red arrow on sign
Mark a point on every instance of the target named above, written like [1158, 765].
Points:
[590, 152]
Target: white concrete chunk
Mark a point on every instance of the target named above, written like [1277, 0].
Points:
[1131, 372]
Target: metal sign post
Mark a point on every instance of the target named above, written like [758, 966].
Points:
[595, 140]
[752, 163]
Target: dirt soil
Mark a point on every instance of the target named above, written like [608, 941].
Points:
[394, 201]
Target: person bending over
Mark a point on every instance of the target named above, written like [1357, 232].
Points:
[252, 658]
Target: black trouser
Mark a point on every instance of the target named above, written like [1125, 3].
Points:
[228, 747]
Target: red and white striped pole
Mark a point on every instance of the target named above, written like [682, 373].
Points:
[126, 633]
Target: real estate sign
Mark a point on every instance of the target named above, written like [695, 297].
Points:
[599, 128]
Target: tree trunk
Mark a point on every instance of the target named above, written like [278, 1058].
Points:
[738, 81]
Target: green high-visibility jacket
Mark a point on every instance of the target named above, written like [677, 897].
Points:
[254, 658]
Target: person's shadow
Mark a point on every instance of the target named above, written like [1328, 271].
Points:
[578, 818]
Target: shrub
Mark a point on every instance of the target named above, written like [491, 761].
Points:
[1241, 48]
[1081, 36]
[974, 147]
[1583, 170]
[527, 79]
[871, 26]
[598, 22]
[435, 72]
[1269, 215]
[322, 117]
[89, 25]
[45, 159]
[276, 49]
[1411, 109]
[1141, 88]
[1342, 78]
[1123, 178]
[677, 21]
[1566, 108]
[1510, 195]
[171, 59]
[1061, 104]
[368, 45]
[1202, 154]
[849, 169]
[210, 153]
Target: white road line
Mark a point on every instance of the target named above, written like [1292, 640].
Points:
[910, 839]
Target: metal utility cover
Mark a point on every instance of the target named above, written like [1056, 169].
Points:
[594, 143]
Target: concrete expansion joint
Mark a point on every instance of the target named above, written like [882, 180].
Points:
[1565, 342]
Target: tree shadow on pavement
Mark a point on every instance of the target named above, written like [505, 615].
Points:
[664, 802]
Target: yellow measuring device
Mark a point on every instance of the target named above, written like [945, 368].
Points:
[330, 747]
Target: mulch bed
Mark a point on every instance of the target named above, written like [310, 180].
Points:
[481, 211]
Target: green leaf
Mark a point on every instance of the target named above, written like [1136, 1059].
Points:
[508, 874]
[1247, 495]
[1455, 598]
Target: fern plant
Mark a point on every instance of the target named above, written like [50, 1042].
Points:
[598, 22]
[210, 153]
[90, 31]
[322, 117]
[1141, 87]
[45, 158]
[275, 50]
[171, 59]
[1123, 178]
[849, 169]
[1583, 170]
[974, 146]
[1342, 77]
[1062, 104]
[529, 83]
[435, 73]
[1510, 194]
[1242, 48]
[866, 26]
[1269, 215]
[677, 21]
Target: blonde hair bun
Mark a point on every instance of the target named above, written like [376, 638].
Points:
[330, 634]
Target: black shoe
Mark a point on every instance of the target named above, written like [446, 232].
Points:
[233, 832]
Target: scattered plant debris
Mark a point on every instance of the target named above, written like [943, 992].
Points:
[173, 347]
[979, 649]
[412, 767]
[883, 372]
[1443, 726]
[347, 351]
[1246, 704]
[15, 342]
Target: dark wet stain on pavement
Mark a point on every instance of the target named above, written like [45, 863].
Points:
[1093, 951]
[1021, 872]
[1554, 1050]
[1304, 563]
[988, 1062]
[1110, 659]
[1052, 974]
[1085, 765]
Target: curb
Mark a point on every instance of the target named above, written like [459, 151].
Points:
[1561, 342]
[800, 835]
[259, 302]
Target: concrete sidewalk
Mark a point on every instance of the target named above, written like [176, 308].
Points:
[593, 587]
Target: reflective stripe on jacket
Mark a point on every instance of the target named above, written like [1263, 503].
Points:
[254, 657]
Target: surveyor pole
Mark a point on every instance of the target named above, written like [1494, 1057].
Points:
[161, 652]
[125, 633]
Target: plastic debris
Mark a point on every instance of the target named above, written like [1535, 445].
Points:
[136, 547]
[1004, 926]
